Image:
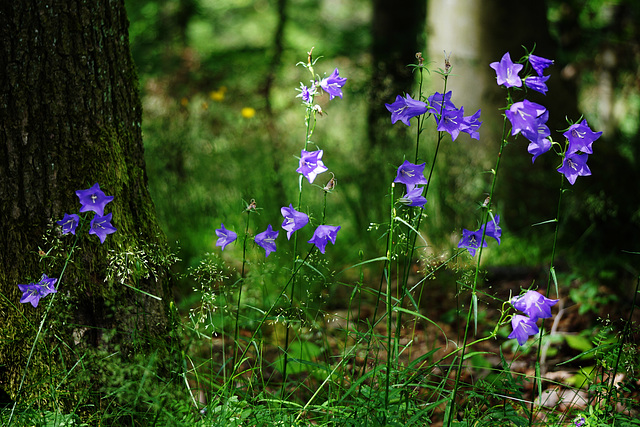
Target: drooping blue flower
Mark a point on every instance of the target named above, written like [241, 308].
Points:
[471, 241]
[33, 292]
[69, 223]
[436, 103]
[451, 122]
[573, 166]
[93, 199]
[293, 220]
[404, 109]
[539, 63]
[538, 137]
[414, 196]
[537, 83]
[47, 284]
[523, 328]
[324, 234]
[471, 124]
[507, 72]
[101, 226]
[534, 304]
[581, 137]
[310, 164]
[492, 228]
[333, 84]
[225, 236]
[410, 174]
[524, 116]
[267, 240]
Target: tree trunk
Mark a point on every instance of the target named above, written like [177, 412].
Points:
[70, 116]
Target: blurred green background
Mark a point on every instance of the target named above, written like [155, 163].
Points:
[222, 124]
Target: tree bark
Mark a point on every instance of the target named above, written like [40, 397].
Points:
[70, 116]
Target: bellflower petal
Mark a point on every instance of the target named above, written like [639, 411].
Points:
[101, 226]
[523, 328]
[225, 236]
[581, 137]
[471, 124]
[410, 174]
[267, 240]
[404, 109]
[534, 304]
[310, 164]
[69, 223]
[537, 83]
[436, 103]
[293, 220]
[324, 234]
[539, 63]
[524, 116]
[93, 199]
[451, 122]
[507, 72]
[471, 241]
[414, 196]
[573, 166]
[333, 84]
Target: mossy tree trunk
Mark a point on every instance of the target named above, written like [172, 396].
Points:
[70, 116]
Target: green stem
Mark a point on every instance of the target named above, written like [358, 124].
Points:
[389, 304]
[242, 277]
[487, 208]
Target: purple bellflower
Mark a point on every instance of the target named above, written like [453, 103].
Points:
[471, 239]
[311, 165]
[34, 291]
[101, 226]
[293, 220]
[507, 72]
[492, 228]
[539, 63]
[537, 83]
[404, 109]
[93, 199]
[333, 84]
[410, 174]
[436, 103]
[573, 166]
[323, 234]
[267, 240]
[523, 328]
[581, 137]
[534, 304]
[306, 93]
[451, 122]
[471, 124]
[69, 223]
[538, 137]
[524, 116]
[225, 236]
[414, 196]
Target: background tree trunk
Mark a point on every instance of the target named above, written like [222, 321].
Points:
[70, 116]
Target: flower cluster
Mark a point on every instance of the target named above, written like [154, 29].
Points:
[332, 85]
[448, 118]
[34, 291]
[530, 119]
[535, 306]
[310, 166]
[91, 199]
[471, 239]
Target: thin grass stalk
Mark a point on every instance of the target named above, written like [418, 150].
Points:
[537, 381]
[487, 206]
